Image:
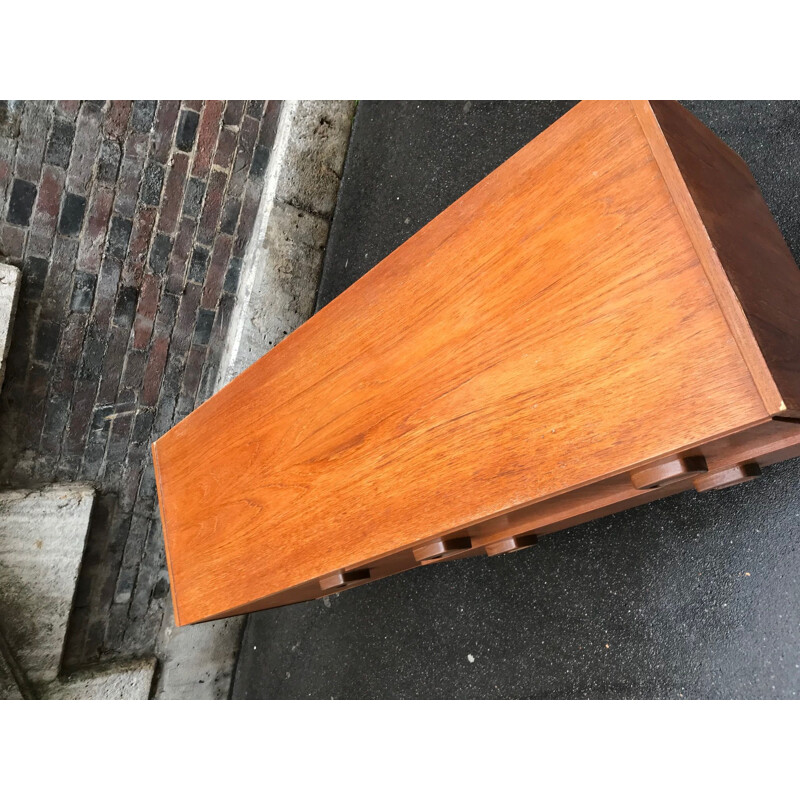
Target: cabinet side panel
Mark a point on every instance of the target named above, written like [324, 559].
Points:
[747, 240]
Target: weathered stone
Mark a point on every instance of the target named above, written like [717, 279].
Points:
[283, 298]
[10, 278]
[315, 152]
[197, 662]
[128, 681]
[42, 538]
[10, 112]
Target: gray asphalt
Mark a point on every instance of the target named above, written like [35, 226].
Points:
[694, 596]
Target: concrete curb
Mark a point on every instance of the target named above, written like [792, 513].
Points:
[277, 293]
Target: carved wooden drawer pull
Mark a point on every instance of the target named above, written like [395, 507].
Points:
[342, 578]
[441, 549]
[654, 476]
[741, 473]
[512, 544]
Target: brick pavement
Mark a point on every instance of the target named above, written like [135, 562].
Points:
[129, 221]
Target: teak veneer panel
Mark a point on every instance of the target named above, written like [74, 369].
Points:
[555, 328]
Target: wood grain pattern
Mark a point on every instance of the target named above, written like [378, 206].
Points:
[741, 238]
[732, 476]
[763, 444]
[504, 370]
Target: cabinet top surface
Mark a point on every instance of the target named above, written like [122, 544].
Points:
[551, 327]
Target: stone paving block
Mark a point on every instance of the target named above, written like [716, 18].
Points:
[42, 538]
[10, 279]
[125, 681]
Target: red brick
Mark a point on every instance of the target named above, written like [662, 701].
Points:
[207, 136]
[181, 250]
[269, 124]
[132, 375]
[58, 284]
[130, 173]
[84, 149]
[146, 311]
[12, 243]
[255, 109]
[106, 293]
[212, 207]
[195, 105]
[139, 354]
[226, 147]
[40, 239]
[166, 117]
[130, 486]
[191, 378]
[247, 217]
[69, 352]
[48, 200]
[35, 398]
[184, 324]
[112, 366]
[45, 215]
[233, 111]
[173, 194]
[117, 443]
[34, 127]
[61, 389]
[154, 372]
[215, 276]
[5, 178]
[139, 246]
[94, 234]
[69, 108]
[166, 315]
[244, 155]
[80, 417]
[117, 117]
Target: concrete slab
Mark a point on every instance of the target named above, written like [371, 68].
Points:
[42, 538]
[126, 681]
[692, 596]
[10, 281]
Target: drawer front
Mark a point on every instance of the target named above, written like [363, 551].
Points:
[724, 462]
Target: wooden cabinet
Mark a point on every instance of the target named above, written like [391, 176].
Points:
[610, 317]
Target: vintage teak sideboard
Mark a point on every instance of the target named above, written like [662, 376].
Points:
[610, 317]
